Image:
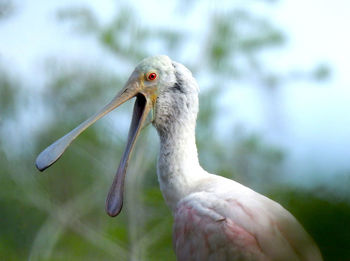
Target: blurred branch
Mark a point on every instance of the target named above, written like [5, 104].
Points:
[61, 217]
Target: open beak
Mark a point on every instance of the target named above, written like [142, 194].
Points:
[143, 105]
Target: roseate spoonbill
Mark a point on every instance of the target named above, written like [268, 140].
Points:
[215, 218]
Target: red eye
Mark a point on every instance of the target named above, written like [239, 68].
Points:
[152, 76]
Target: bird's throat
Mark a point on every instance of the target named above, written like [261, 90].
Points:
[178, 166]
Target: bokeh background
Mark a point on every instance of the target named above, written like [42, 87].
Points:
[274, 115]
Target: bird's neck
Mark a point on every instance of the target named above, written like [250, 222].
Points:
[178, 165]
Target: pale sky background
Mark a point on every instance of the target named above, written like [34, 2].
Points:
[318, 31]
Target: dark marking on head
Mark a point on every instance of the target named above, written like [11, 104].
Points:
[178, 86]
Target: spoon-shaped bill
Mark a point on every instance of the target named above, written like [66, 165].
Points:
[52, 153]
[114, 200]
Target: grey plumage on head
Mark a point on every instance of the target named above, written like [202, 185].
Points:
[177, 101]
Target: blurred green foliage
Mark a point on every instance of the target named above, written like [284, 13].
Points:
[59, 215]
[7, 9]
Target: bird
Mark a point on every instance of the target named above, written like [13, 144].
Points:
[215, 218]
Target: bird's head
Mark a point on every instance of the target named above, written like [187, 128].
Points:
[169, 90]
[165, 91]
